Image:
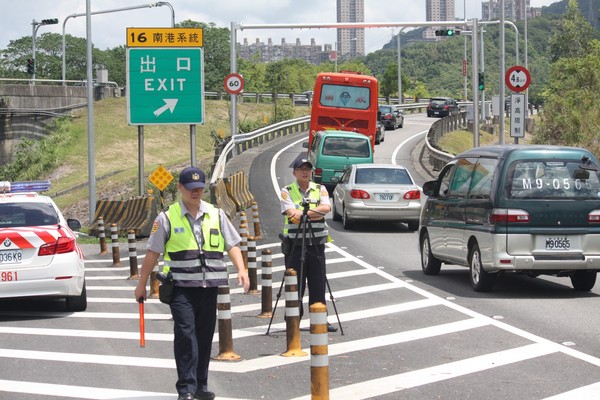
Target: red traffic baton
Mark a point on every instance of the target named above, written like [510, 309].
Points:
[142, 338]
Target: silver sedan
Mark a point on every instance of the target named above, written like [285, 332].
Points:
[382, 192]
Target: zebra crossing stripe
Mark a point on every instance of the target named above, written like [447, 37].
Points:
[396, 383]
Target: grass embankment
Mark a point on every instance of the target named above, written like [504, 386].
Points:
[458, 141]
[116, 148]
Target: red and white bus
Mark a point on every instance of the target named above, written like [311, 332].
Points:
[346, 101]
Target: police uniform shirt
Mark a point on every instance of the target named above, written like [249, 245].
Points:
[287, 202]
[161, 229]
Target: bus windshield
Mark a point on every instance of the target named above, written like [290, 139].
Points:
[345, 96]
[346, 101]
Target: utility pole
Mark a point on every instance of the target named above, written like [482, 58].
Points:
[35, 25]
[502, 70]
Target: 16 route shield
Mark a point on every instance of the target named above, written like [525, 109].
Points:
[165, 86]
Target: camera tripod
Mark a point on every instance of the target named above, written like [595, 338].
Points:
[305, 228]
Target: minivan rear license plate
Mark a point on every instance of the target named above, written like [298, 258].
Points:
[558, 243]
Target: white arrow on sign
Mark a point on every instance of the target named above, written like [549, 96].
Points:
[169, 105]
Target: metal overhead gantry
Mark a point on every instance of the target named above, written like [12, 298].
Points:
[64, 57]
[235, 26]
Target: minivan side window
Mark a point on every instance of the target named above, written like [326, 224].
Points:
[346, 176]
[461, 180]
[444, 181]
[316, 143]
[481, 183]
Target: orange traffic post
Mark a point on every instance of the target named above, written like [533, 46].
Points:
[252, 274]
[256, 220]
[319, 358]
[154, 283]
[292, 315]
[114, 237]
[133, 262]
[266, 285]
[102, 235]
[142, 329]
[243, 219]
[226, 352]
[244, 243]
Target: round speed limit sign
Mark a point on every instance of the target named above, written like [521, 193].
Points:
[234, 83]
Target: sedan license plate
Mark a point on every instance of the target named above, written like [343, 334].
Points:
[11, 256]
[386, 196]
[558, 243]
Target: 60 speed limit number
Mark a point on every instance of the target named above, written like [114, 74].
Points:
[234, 83]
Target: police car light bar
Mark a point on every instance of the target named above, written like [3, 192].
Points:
[26, 186]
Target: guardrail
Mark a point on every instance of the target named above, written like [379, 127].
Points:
[442, 126]
[244, 141]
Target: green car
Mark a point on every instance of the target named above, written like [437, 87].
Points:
[518, 208]
[333, 151]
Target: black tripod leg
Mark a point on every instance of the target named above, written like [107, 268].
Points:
[276, 301]
[334, 306]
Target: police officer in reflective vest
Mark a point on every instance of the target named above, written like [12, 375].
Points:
[192, 236]
[293, 199]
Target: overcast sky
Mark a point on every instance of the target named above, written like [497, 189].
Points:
[108, 29]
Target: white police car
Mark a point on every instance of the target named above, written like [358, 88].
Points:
[39, 254]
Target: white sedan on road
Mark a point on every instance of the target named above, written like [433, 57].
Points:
[382, 192]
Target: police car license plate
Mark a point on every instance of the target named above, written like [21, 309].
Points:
[11, 256]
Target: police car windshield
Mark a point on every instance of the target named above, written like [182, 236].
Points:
[27, 214]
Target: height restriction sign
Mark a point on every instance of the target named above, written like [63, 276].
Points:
[517, 78]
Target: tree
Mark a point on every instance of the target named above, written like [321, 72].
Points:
[280, 79]
[216, 53]
[48, 57]
[571, 115]
[574, 36]
[389, 84]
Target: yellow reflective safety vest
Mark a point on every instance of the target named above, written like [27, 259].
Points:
[319, 228]
[190, 265]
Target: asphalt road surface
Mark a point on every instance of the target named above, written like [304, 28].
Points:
[405, 335]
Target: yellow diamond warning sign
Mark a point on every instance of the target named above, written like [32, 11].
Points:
[160, 178]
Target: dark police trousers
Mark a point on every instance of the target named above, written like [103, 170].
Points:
[314, 271]
[194, 313]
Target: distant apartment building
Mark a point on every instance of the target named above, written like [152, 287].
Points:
[267, 52]
[514, 10]
[438, 10]
[350, 42]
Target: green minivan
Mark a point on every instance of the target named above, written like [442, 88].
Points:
[332, 151]
[532, 209]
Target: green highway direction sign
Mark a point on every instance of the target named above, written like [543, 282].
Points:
[165, 86]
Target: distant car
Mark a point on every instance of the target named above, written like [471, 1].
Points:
[442, 107]
[304, 98]
[399, 116]
[40, 256]
[377, 192]
[388, 117]
[380, 134]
